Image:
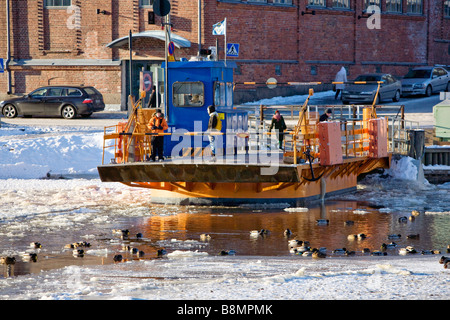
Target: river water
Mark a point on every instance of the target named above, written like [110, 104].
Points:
[59, 212]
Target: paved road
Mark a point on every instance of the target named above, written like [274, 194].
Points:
[98, 119]
[417, 108]
[413, 104]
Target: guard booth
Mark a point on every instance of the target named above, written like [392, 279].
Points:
[193, 86]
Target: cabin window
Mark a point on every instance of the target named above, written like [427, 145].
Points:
[219, 93]
[188, 94]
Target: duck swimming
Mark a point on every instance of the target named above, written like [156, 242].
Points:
[35, 245]
[318, 254]
[322, 222]
[205, 237]
[394, 236]
[117, 258]
[378, 253]
[407, 250]
[339, 251]
[444, 259]
[7, 260]
[403, 219]
[385, 246]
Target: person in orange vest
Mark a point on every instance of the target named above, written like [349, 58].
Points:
[157, 124]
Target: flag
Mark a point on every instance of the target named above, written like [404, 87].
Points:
[220, 28]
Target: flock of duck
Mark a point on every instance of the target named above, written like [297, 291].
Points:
[295, 246]
[303, 248]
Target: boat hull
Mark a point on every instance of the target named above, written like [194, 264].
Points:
[236, 184]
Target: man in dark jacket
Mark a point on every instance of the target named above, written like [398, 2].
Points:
[325, 116]
[280, 125]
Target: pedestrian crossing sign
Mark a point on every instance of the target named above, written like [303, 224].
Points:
[232, 49]
[2, 68]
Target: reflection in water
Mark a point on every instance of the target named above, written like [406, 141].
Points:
[179, 228]
[230, 229]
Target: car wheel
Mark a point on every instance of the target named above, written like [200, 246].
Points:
[396, 97]
[448, 87]
[68, 112]
[9, 111]
[428, 91]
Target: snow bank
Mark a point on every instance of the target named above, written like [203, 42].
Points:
[35, 153]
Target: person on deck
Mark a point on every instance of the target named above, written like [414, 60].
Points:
[157, 124]
[214, 124]
[279, 124]
[326, 115]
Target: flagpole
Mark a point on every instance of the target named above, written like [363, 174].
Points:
[225, 45]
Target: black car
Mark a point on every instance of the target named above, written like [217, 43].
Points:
[65, 101]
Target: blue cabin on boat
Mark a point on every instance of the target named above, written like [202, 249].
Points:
[192, 87]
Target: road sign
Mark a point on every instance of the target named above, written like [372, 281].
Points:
[146, 82]
[161, 7]
[2, 68]
[232, 49]
[171, 48]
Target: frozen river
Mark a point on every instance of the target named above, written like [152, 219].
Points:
[56, 212]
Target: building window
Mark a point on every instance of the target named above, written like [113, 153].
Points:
[345, 4]
[257, 1]
[188, 94]
[414, 6]
[317, 3]
[447, 8]
[145, 3]
[58, 3]
[368, 3]
[283, 1]
[394, 6]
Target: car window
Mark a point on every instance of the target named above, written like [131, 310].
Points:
[91, 91]
[436, 73]
[54, 92]
[38, 93]
[418, 73]
[368, 78]
[391, 78]
[72, 92]
[442, 72]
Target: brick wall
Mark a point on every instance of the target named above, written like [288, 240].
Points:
[275, 40]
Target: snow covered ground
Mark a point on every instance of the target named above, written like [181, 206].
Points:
[83, 205]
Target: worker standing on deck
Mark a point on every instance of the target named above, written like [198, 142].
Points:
[157, 124]
[279, 124]
[214, 124]
[326, 115]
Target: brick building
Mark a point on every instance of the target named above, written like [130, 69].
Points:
[79, 41]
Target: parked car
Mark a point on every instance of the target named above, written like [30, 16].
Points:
[65, 101]
[391, 88]
[426, 80]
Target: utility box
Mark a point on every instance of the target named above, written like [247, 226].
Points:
[441, 113]
[330, 143]
[378, 138]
